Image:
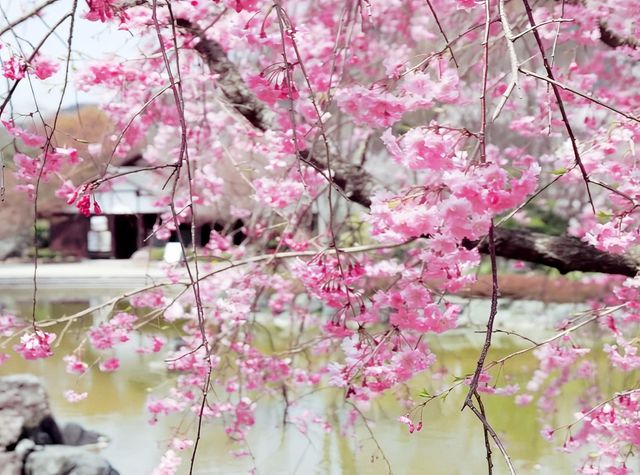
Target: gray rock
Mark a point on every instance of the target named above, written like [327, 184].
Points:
[23, 405]
[31, 442]
[66, 460]
[75, 434]
[10, 463]
[13, 246]
[10, 429]
[24, 448]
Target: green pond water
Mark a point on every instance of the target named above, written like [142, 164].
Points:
[451, 442]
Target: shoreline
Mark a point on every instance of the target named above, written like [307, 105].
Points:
[88, 274]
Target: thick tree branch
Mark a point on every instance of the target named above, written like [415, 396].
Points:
[610, 38]
[607, 36]
[351, 180]
[229, 81]
[564, 253]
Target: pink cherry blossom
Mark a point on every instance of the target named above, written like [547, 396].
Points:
[347, 162]
[8, 324]
[109, 365]
[29, 139]
[373, 107]
[35, 345]
[44, 67]
[75, 365]
[169, 464]
[74, 397]
[113, 332]
[100, 10]
[14, 68]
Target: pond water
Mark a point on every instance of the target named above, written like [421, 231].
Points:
[451, 441]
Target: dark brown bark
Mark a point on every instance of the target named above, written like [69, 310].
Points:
[610, 38]
[229, 81]
[352, 180]
[564, 253]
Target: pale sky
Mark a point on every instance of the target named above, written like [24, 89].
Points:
[92, 41]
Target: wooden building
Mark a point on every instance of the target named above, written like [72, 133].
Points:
[129, 211]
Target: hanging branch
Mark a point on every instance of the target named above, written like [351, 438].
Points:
[559, 101]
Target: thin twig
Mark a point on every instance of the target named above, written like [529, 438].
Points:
[133, 117]
[494, 436]
[285, 21]
[554, 82]
[183, 157]
[98, 181]
[205, 389]
[508, 332]
[531, 28]
[485, 432]
[14, 86]
[513, 59]
[598, 406]
[613, 190]
[26, 16]
[227, 265]
[596, 315]
[47, 144]
[491, 236]
[492, 315]
[373, 437]
[560, 102]
[444, 35]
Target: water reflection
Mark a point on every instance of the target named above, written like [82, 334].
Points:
[450, 443]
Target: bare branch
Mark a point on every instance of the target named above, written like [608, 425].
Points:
[513, 59]
[495, 438]
[473, 387]
[485, 431]
[560, 102]
[26, 16]
[579, 93]
[444, 35]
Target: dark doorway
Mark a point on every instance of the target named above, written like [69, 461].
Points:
[125, 236]
[68, 235]
[205, 234]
